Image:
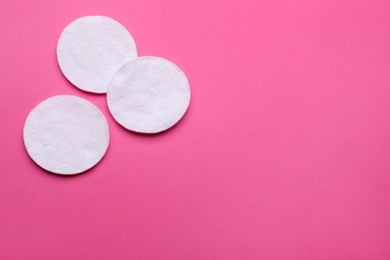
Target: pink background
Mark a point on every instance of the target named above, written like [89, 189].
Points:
[283, 154]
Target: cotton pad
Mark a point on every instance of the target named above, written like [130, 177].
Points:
[148, 95]
[66, 135]
[91, 49]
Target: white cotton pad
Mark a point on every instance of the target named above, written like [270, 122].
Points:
[148, 95]
[66, 135]
[91, 49]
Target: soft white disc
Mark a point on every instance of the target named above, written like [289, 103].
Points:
[66, 135]
[91, 49]
[148, 95]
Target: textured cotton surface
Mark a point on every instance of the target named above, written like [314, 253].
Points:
[148, 95]
[66, 134]
[91, 49]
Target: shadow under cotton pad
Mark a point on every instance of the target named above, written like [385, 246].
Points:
[66, 135]
[91, 49]
[148, 95]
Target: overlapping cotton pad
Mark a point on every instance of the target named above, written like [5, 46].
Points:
[148, 95]
[66, 135]
[91, 49]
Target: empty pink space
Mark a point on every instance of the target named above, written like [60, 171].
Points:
[284, 152]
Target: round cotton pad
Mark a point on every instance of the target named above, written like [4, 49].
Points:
[66, 135]
[91, 49]
[148, 95]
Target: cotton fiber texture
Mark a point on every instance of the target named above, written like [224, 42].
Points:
[91, 49]
[66, 135]
[148, 95]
